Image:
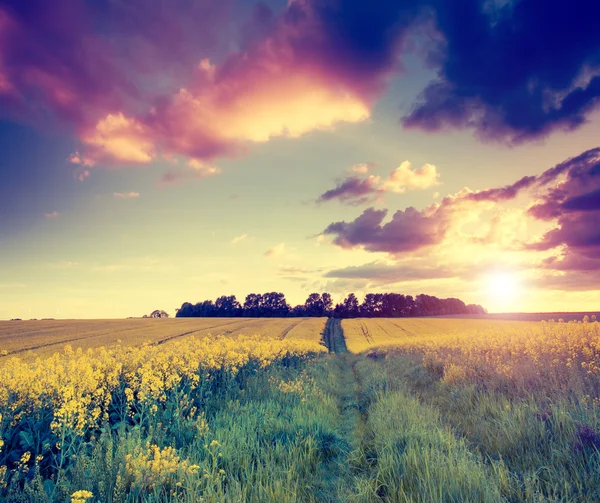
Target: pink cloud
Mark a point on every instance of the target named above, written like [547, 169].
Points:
[144, 87]
[126, 195]
[197, 169]
[356, 191]
[405, 178]
[275, 251]
[52, 215]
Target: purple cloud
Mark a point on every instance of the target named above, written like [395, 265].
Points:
[575, 205]
[574, 202]
[353, 190]
[515, 71]
[503, 193]
[408, 230]
[356, 191]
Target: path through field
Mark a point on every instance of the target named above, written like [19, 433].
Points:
[355, 459]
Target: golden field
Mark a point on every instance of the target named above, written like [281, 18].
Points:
[32, 338]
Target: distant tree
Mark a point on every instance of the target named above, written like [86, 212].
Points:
[314, 305]
[205, 309]
[327, 304]
[475, 309]
[185, 311]
[253, 305]
[227, 306]
[158, 313]
[298, 311]
[349, 308]
[274, 305]
[372, 305]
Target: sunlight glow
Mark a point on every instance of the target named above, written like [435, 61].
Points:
[503, 285]
[502, 291]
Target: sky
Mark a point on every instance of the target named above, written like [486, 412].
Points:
[155, 153]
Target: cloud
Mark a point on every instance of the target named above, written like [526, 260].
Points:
[384, 273]
[552, 81]
[573, 206]
[408, 230]
[52, 215]
[126, 195]
[356, 191]
[503, 193]
[353, 190]
[275, 251]
[119, 139]
[405, 178]
[81, 174]
[362, 168]
[198, 169]
[476, 225]
[139, 82]
[239, 239]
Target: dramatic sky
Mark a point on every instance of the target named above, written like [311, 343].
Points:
[156, 152]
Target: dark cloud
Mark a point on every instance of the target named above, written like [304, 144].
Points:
[502, 193]
[353, 190]
[408, 230]
[512, 70]
[575, 204]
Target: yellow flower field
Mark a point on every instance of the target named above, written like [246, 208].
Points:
[49, 407]
[549, 355]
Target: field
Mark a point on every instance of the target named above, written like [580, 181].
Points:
[32, 338]
[304, 410]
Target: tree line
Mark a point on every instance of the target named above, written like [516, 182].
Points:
[374, 305]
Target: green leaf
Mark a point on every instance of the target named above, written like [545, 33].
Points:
[26, 440]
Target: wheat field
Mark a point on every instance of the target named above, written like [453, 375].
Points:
[40, 338]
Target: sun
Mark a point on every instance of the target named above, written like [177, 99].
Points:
[503, 285]
[502, 291]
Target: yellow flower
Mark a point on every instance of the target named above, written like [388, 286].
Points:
[81, 496]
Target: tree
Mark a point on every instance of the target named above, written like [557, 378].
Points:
[185, 311]
[349, 308]
[227, 306]
[159, 313]
[253, 304]
[298, 311]
[314, 305]
[274, 305]
[327, 304]
[372, 305]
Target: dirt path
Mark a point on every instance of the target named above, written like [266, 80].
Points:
[353, 462]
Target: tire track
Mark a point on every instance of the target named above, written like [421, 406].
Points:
[289, 329]
[357, 460]
[176, 336]
[116, 333]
